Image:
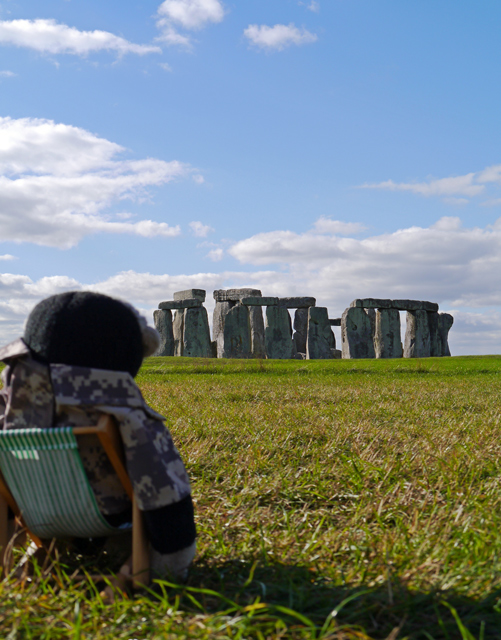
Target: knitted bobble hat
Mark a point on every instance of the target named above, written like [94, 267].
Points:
[88, 329]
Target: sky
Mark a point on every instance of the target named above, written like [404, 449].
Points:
[339, 149]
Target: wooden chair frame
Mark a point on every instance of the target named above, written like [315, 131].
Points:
[109, 437]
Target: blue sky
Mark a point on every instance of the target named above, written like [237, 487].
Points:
[334, 148]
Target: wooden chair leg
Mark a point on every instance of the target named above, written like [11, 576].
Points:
[4, 530]
[140, 548]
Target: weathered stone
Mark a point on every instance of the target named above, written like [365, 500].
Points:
[163, 324]
[408, 305]
[259, 301]
[417, 335]
[356, 334]
[237, 333]
[445, 322]
[277, 334]
[196, 334]
[257, 332]
[234, 295]
[180, 304]
[335, 322]
[372, 303]
[296, 303]
[337, 354]
[320, 341]
[189, 294]
[300, 330]
[430, 306]
[218, 317]
[177, 330]
[371, 314]
[435, 342]
[387, 340]
[213, 347]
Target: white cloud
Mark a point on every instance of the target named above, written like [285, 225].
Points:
[199, 229]
[48, 36]
[165, 66]
[314, 6]
[278, 37]
[7, 256]
[469, 185]
[7, 74]
[216, 255]
[337, 227]
[443, 263]
[191, 15]
[56, 181]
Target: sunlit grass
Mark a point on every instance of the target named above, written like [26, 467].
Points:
[341, 499]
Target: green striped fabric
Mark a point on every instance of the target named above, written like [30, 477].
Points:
[44, 471]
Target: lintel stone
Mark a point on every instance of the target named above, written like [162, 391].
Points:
[189, 294]
[259, 301]
[296, 303]
[180, 304]
[335, 322]
[372, 303]
[234, 295]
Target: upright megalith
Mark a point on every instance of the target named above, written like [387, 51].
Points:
[356, 334]
[278, 334]
[196, 333]
[221, 310]
[177, 330]
[417, 335]
[163, 324]
[237, 333]
[300, 329]
[435, 342]
[258, 347]
[320, 344]
[226, 299]
[445, 322]
[387, 339]
[189, 328]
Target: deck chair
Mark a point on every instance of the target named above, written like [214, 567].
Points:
[42, 480]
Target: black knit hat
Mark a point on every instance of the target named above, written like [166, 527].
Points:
[85, 329]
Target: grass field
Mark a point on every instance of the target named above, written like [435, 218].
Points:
[334, 499]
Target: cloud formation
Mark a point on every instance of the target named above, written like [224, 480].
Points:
[189, 15]
[7, 74]
[278, 37]
[49, 36]
[454, 190]
[56, 182]
[199, 229]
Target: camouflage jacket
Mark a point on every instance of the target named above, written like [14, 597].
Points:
[57, 395]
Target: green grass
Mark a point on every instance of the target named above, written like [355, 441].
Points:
[334, 499]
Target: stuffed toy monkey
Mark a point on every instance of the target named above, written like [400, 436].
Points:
[77, 359]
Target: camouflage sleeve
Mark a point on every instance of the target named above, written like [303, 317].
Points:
[154, 465]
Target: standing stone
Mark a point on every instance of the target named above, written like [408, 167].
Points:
[163, 324]
[257, 332]
[356, 334]
[177, 330]
[300, 329]
[387, 341]
[445, 322]
[435, 342]
[237, 333]
[196, 334]
[320, 342]
[417, 335]
[218, 317]
[277, 334]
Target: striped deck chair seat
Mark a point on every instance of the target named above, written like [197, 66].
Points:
[43, 481]
[45, 474]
